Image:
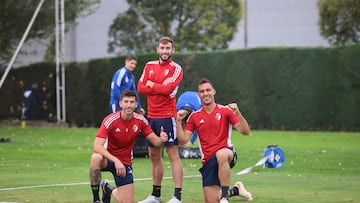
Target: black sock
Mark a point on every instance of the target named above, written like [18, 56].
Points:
[95, 191]
[233, 192]
[109, 188]
[224, 191]
[177, 193]
[156, 190]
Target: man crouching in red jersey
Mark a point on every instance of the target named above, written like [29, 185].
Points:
[121, 129]
[214, 122]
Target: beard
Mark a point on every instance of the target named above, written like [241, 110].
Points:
[165, 59]
[128, 111]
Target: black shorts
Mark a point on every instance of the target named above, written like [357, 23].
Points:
[120, 181]
[209, 171]
[169, 126]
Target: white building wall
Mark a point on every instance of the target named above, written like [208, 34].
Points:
[270, 23]
[280, 23]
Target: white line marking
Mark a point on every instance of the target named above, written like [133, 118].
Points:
[248, 169]
[83, 183]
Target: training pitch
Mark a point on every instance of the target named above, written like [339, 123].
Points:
[52, 165]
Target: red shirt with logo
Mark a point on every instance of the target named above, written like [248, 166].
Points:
[122, 134]
[214, 129]
[161, 98]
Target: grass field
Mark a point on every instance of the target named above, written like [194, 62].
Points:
[51, 165]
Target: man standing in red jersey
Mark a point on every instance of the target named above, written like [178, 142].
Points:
[160, 81]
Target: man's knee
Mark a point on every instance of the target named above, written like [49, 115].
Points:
[96, 159]
[154, 153]
[224, 155]
[173, 152]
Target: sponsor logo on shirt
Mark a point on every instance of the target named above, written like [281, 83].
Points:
[202, 121]
[117, 130]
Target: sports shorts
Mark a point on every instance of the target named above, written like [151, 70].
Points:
[169, 126]
[119, 180]
[209, 171]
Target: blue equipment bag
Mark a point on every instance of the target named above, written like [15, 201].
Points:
[276, 156]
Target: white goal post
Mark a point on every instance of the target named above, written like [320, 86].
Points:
[60, 56]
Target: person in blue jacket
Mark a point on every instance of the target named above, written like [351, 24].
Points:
[122, 80]
[189, 101]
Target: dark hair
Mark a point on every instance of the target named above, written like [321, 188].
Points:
[204, 80]
[166, 39]
[128, 93]
[132, 57]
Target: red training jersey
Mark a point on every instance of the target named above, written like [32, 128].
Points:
[122, 134]
[214, 129]
[161, 98]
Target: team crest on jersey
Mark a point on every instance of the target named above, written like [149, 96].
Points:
[166, 71]
[151, 72]
[135, 128]
[218, 116]
[126, 79]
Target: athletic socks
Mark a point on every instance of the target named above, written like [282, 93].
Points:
[156, 190]
[95, 192]
[233, 192]
[109, 188]
[224, 191]
[177, 193]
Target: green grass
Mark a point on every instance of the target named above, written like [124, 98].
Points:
[319, 167]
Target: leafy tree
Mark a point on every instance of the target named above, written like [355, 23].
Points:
[340, 21]
[16, 14]
[194, 24]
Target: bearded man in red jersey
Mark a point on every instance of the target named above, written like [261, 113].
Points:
[160, 81]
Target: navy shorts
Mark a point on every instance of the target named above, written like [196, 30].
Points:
[209, 171]
[169, 126]
[120, 181]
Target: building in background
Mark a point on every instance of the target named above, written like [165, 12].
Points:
[269, 23]
[280, 23]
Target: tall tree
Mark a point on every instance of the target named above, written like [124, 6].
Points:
[194, 24]
[340, 21]
[16, 14]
